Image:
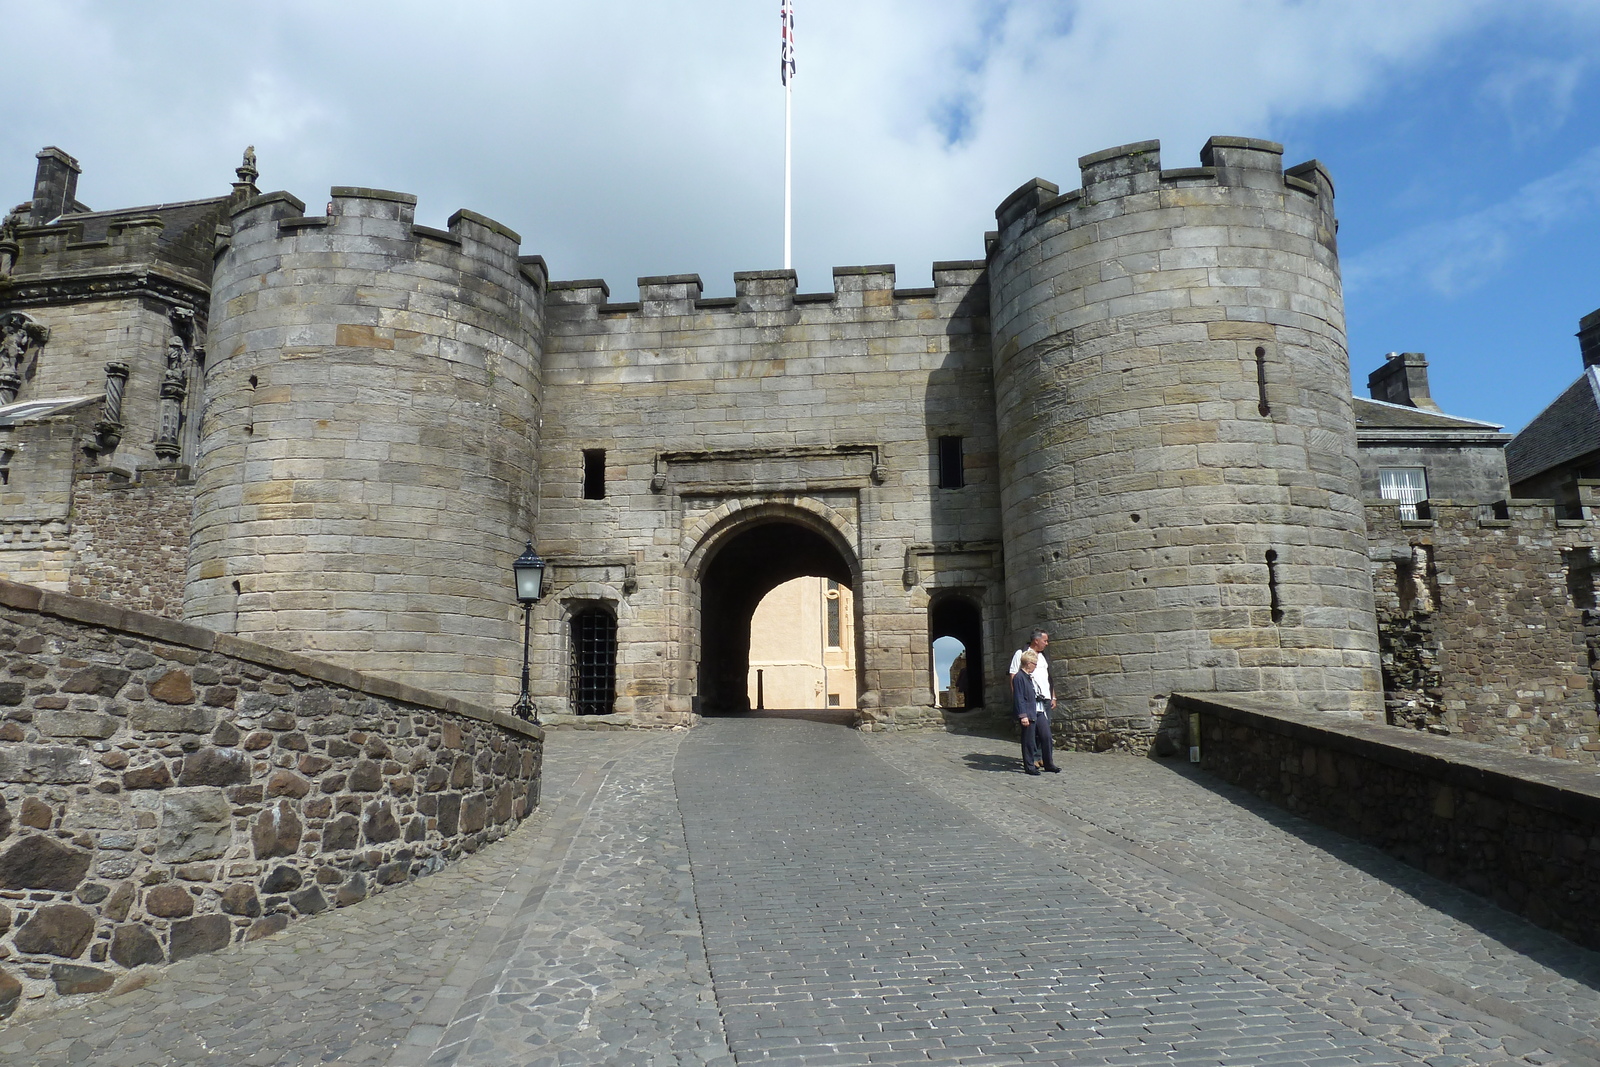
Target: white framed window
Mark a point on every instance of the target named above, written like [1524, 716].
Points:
[1408, 485]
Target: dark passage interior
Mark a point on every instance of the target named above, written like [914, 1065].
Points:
[746, 567]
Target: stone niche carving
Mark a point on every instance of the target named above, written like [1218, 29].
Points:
[181, 353]
[21, 337]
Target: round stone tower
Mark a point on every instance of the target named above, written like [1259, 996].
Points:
[1180, 497]
[367, 459]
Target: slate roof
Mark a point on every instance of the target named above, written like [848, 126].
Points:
[1382, 415]
[1567, 429]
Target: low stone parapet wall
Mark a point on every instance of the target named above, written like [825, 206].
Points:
[166, 790]
[1523, 831]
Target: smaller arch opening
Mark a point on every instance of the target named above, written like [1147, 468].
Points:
[955, 626]
[592, 673]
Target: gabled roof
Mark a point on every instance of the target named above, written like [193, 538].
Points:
[1567, 429]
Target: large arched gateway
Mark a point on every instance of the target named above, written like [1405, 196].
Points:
[747, 558]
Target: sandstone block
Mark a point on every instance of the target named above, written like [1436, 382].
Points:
[67, 723]
[281, 879]
[56, 930]
[155, 776]
[10, 993]
[241, 900]
[205, 933]
[37, 814]
[194, 824]
[342, 833]
[70, 978]
[45, 764]
[266, 927]
[215, 767]
[379, 824]
[133, 946]
[169, 902]
[276, 831]
[38, 862]
[174, 687]
[172, 718]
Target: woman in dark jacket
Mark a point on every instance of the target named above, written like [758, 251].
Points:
[1033, 717]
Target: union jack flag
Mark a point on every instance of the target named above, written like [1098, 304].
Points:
[786, 62]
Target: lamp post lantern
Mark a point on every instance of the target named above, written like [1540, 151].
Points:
[528, 570]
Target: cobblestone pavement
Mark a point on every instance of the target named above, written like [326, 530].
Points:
[780, 891]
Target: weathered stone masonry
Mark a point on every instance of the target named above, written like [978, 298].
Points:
[1486, 616]
[166, 790]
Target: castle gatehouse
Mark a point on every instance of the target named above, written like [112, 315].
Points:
[1131, 425]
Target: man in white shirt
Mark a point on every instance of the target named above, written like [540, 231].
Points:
[1037, 641]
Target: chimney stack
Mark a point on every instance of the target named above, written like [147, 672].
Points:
[1403, 379]
[1589, 338]
[55, 186]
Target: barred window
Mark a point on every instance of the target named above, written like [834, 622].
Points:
[1408, 485]
[593, 679]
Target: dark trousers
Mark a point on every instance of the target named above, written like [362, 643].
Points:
[1037, 743]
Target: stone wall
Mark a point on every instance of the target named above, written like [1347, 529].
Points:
[366, 469]
[166, 790]
[131, 538]
[1482, 617]
[1520, 830]
[717, 415]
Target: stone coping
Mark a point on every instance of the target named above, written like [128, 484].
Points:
[1552, 785]
[187, 635]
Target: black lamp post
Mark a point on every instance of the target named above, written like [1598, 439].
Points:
[529, 571]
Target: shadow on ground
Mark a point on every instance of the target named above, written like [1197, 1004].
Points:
[988, 761]
[1548, 948]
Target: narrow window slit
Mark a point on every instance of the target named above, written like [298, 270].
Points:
[594, 474]
[1261, 381]
[952, 462]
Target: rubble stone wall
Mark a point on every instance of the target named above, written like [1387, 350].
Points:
[131, 539]
[1485, 621]
[1520, 830]
[166, 790]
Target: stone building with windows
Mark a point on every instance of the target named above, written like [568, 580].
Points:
[1130, 424]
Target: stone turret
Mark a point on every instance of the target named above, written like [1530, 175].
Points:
[1177, 446]
[367, 462]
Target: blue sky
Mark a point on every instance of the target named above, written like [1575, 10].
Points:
[628, 137]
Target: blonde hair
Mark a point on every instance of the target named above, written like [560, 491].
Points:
[1030, 660]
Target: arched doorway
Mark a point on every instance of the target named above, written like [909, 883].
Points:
[740, 569]
[956, 617]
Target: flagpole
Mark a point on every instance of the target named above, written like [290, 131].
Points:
[788, 193]
[787, 66]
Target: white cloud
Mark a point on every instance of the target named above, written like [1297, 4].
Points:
[625, 137]
[1457, 255]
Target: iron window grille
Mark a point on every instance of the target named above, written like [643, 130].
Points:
[593, 679]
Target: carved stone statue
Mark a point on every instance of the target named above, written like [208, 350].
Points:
[19, 334]
[247, 168]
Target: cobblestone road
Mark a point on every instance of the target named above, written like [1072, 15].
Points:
[782, 891]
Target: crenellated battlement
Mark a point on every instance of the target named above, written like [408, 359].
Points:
[381, 222]
[759, 291]
[1134, 170]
